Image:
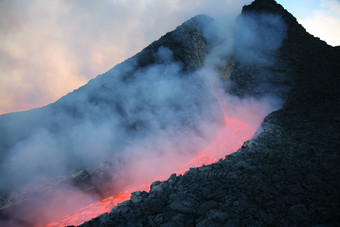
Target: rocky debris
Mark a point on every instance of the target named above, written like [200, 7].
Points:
[261, 185]
[288, 175]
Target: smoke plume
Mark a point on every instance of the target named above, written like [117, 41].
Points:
[133, 124]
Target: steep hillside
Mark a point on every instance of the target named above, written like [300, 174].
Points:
[288, 175]
[157, 111]
[78, 144]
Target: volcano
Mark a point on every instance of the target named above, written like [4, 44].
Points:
[193, 97]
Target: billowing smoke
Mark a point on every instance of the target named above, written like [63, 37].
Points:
[158, 108]
[134, 124]
[51, 47]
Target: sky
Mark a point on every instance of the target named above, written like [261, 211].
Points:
[49, 48]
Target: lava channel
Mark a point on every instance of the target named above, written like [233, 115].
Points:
[241, 123]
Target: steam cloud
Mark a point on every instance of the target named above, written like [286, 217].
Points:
[143, 122]
[62, 44]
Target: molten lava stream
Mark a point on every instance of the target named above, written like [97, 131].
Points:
[98, 208]
[228, 140]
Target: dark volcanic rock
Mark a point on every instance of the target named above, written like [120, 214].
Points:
[187, 43]
[288, 175]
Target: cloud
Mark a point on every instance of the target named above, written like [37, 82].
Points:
[324, 21]
[48, 48]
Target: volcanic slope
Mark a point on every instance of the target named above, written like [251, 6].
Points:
[73, 148]
[288, 175]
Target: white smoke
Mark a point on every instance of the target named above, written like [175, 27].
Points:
[145, 122]
[51, 47]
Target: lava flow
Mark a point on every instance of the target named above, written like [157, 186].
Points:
[241, 123]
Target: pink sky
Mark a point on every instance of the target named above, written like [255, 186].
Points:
[49, 48]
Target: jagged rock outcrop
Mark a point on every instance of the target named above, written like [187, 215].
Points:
[289, 175]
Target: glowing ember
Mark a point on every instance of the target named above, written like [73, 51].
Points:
[237, 130]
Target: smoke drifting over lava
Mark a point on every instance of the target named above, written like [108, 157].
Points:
[135, 124]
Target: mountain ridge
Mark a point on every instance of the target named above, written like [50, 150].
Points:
[124, 70]
[289, 175]
[100, 109]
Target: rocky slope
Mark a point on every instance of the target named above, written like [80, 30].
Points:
[288, 175]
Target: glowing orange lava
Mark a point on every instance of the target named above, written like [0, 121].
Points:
[237, 131]
[96, 209]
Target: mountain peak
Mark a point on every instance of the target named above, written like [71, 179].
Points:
[269, 6]
[263, 5]
[296, 32]
[155, 102]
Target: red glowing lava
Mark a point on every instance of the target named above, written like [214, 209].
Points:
[238, 128]
[96, 209]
